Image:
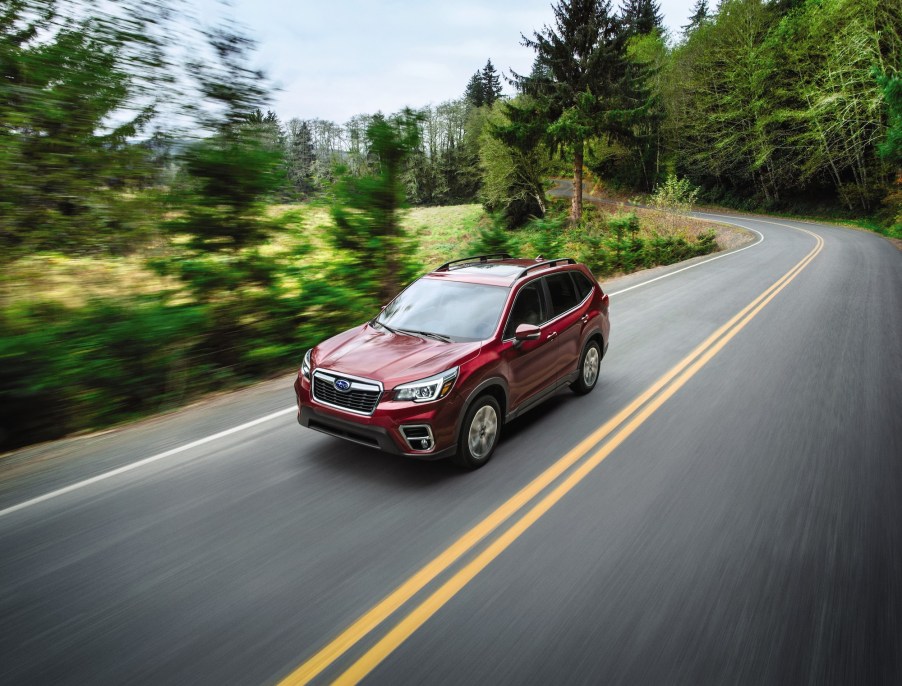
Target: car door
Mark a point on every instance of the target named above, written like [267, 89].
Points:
[530, 363]
[566, 325]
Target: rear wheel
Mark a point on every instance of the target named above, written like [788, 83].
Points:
[479, 433]
[589, 364]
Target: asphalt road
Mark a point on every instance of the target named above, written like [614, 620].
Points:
[724, 508]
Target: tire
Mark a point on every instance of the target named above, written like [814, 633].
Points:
[589, 365]
[479, 433]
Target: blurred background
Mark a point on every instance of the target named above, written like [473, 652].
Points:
[165, 233]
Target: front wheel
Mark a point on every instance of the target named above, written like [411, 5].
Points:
[479, 433]
[589, 364]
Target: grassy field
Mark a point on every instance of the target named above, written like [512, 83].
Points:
[442, 233]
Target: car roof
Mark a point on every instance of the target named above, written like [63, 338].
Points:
[497, 272]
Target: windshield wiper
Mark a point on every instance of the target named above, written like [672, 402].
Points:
[383, 325]
[428, 334]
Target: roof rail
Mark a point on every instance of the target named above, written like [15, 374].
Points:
[546, 263]
[475, 258]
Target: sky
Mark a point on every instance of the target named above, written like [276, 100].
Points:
[336, 58]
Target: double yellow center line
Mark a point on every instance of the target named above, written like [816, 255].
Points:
[617, 430]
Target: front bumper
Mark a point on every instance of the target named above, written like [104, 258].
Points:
[383, 429]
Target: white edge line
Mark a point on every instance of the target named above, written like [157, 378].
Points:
[279, 413]
[697, 264]
[145, 461]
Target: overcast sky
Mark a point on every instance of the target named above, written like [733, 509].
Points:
[334, 59]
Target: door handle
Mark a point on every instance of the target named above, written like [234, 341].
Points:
[584, 319]
[552, 335]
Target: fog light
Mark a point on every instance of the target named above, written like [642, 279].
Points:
[418, 436]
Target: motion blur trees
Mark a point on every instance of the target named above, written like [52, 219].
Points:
[70, 107]
[367, 233]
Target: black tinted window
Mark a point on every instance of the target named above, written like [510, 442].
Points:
[563, 294]
[527, 309]
[583, 285]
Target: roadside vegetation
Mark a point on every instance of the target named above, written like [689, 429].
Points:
[163, 233]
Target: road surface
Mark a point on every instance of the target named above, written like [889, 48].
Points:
[724, 508]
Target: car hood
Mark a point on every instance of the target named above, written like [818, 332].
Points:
[375, 353]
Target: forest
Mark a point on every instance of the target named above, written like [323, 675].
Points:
[139, 152]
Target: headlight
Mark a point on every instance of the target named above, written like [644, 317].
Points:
[426, 390]
[305, 365]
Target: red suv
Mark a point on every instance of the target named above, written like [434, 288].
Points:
[455, 355]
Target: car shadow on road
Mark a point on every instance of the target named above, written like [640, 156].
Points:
[339, 456]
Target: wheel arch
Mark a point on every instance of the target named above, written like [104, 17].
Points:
[497, 388]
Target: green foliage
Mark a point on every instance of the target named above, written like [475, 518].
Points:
[619, 248]
[767, 101]
[573, 95]
[65, 370]
[376, 252]
[891, 148]
[515, 163]
[63, 166]
[547, 236]
[675, 195]
[493, 238]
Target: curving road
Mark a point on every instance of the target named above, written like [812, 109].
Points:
[724, 508]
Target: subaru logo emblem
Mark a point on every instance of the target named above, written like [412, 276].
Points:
[342, 385]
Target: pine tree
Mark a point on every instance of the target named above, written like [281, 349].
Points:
[491, 84]
[700, 15]
[366, 210]
[475, 93]
[639, 126]
[578, 98]
[641, 17]
[301, 157]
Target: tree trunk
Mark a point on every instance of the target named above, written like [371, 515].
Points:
[576, 203]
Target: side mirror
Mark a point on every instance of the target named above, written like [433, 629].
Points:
[527, 332]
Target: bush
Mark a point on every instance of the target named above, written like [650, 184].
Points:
[63, 370]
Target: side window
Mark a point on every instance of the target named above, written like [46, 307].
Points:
[527, 308]
[563, 294]
[583, 285]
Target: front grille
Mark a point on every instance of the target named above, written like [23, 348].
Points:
[361, 398]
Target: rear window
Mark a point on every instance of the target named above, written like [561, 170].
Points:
[583, 285]
[563, 293]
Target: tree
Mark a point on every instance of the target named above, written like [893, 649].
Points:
[575, 98]
[366, 210]
[491, 84]
[641, 17]
[300, 156]
[891, 148]
[700, 14]
[475, 92]
[638, 127]
[515, 162]
[71, 105]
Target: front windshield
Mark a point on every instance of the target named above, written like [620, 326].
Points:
[457, 310]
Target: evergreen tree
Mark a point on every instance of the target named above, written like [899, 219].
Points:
[68, 116]
[891, 148]
[700, 14]
[475, 93]
[641, 17]
[301, 157]
[366, 210]
[491, 84]
[639, 125]
[578, 99]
